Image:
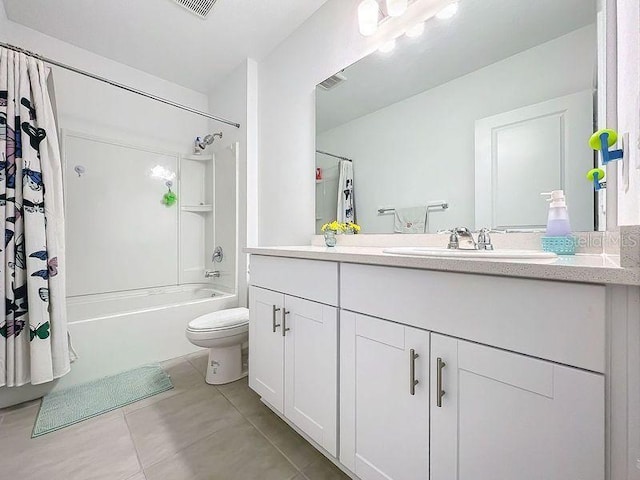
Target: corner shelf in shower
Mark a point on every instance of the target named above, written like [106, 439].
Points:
[197, 208]
[198, 158]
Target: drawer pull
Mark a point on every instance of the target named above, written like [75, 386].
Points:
[412, 371]
[274, 324]
[440, 393]
[285, 329]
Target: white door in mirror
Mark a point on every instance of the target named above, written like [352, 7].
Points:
[497, 255]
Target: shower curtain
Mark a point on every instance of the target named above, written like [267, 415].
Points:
[346, 203]
[34, 343]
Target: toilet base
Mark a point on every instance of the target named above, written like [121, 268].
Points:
[225, 365]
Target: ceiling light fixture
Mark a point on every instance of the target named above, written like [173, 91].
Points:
[388, 46]
[368, 13]
[395, 8]
[415, 31]
[448, 11]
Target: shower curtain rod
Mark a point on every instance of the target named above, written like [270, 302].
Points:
[334, 156]
[118, 85]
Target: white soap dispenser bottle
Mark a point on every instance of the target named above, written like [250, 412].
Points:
[558, 224]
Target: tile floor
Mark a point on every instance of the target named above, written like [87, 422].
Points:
[193, 432]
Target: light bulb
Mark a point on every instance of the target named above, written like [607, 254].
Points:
[368, 17]
[388, 46]
[447, 12]
[395, 8]
[415, 31]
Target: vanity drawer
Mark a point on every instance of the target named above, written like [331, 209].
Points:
[561, 322]
[310, 279]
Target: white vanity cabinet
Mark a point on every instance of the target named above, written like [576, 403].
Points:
[442, 375]
[497, 415]
[384, 399]
[293, 347]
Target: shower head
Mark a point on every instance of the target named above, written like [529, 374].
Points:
[209, 139]
[202, 143]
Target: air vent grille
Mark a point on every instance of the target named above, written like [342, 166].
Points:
[333, 81]
[200, 8]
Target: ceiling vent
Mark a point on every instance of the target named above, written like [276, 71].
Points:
[200, 8]
[333, 81]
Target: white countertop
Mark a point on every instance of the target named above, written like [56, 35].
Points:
[584, 268]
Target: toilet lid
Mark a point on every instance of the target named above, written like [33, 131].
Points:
[232, 317]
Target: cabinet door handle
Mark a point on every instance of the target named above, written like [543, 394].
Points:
[440, 393]
[412, 371]
[285, 329]
[273, 319]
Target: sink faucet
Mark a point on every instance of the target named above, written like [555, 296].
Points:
[461, 238]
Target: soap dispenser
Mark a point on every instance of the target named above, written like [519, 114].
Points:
[558, 238]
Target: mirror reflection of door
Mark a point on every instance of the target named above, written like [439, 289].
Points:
[526, 151]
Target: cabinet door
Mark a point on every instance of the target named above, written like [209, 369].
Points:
[311, 370]
[266, 354]
[384, 420]
[505, 416]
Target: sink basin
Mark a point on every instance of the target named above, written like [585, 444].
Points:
[496, 255]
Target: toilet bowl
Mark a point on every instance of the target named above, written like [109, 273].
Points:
[223, 333]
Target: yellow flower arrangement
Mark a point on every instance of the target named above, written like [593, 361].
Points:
[334, 226]
[338, 227]
[354, 227]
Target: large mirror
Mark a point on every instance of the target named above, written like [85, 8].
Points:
[467, 124]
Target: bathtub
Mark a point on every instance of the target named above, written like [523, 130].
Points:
[118, 331]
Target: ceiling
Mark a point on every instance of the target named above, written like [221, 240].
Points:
[483, 32]
[165, 40]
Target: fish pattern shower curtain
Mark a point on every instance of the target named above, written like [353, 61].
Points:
[34, 344]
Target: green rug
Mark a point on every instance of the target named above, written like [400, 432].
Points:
[74, 404]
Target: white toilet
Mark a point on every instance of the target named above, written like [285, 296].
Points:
[223, 333]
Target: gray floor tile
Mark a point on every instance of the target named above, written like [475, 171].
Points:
[166, 427]
[237, 453]
[293, 446]
[96, 449]
[243, 398]
[185, 378]
[199, 361]
[138, 476]
[323, 469]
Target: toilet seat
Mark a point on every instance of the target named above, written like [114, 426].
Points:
[221, 324]
[221, 320]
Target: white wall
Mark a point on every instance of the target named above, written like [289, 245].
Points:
[99, 109]
[235, 98]
[629, 107]
[414, 151]
[324, 44]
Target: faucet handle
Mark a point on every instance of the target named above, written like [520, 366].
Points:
[484, 239]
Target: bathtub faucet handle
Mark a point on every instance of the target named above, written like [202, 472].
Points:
[212, 274]
[218, 255]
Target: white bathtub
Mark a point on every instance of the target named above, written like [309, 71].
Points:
[118, 331]
[102, 306]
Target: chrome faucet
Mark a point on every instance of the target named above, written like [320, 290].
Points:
[212, 274]
[461, 238]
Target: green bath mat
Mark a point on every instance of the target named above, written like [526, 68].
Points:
[81, 402]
